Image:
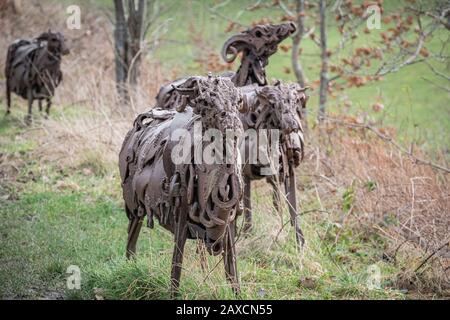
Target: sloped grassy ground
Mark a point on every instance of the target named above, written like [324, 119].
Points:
[54, 217]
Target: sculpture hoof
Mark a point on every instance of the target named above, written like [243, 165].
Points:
[247, 230]
[28, 119]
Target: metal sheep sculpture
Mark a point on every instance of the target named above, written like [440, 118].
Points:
[190, 199]
[256, 46]
[274, 108]
[33, 69]
[265, 108]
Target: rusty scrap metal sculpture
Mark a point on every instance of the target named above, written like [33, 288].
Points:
[257, 45]
[277, 107]
[274, 108]
[191, 200]
[33, 69]
[267, 108]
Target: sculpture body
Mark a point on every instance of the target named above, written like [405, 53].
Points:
[191, 200]
[257, 45]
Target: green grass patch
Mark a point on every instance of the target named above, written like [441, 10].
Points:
[70, 219]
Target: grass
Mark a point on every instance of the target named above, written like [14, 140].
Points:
[61, 217]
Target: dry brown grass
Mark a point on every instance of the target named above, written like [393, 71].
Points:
[387, 192]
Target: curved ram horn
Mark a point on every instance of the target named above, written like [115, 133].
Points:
[234, 45]
[303, 89]
[184, 91]
[43, 36]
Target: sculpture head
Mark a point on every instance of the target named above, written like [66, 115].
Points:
[261, 40]
[257, 45]
[215, 99]
[56, 43]
[275, 107]
[217, 184]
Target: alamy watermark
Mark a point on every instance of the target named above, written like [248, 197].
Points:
[374, 17]
[373, 277]
[74, 278]
[73, 22]
[261, 147]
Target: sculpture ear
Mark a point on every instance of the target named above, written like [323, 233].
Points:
[301, 92]
[43, 36]
[303, 99]
[187, 93]
[249, 100]
[245, 104]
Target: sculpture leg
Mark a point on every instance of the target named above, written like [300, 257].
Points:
[134, 229]
[178, 252]
[28, 118]
[8, 98]
[276, 198]
[40, 105]
[229, 258]
[202, 253]
[247, 206]
[47, 110]
[290, 187]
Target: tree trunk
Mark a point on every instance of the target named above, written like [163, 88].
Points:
[298, 70]
[324, 57]
[136, 17]
[128, 35]
[121, 39]
[14, 5]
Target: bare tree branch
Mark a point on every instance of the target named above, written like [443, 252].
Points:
[438, 73]
[324, 56]
[298, 70]
[442, 18]
[437, 85]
